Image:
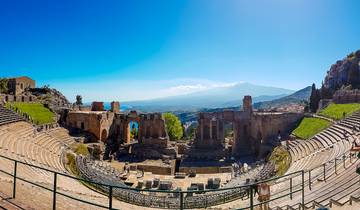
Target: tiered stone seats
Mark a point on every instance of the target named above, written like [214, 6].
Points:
[330, 144]
[7, 116]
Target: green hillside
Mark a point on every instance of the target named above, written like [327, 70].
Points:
[309, 127]
[336, 111]
[37, 111]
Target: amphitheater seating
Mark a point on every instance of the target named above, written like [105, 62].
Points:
[8, 116]
[19, 140]
[333, 143]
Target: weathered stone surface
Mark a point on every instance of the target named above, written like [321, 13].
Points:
[18, 85]
[346, 96]
[344, 72]
[249, 128]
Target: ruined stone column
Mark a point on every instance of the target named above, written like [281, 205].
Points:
[217, 130]
[127, 132]
[201, 129]
[210, 124]
[236, 133]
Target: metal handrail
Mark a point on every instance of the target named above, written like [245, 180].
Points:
[248, 187]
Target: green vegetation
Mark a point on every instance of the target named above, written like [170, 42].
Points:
[37, 111]
[173, 126]
[309, 127]
[134, 133]
[280, 157]
[338, 111]
[3, 85]
[72, 164]
[81, 149]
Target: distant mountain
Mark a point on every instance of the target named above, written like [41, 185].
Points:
[212, 98]
[297, 97]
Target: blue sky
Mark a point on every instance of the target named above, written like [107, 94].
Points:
[128, 50]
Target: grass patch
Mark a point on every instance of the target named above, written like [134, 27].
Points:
[37, 111]
[280, 157]
[81, 149]
[309, 127]
[336, 111]
[71, 163]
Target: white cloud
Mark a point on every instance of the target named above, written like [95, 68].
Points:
[192, 88]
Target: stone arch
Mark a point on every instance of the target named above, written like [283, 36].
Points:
[104, 135]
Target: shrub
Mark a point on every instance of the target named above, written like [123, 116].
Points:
[280, 157]
[81, 149]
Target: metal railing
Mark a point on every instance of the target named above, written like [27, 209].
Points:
[182, 197]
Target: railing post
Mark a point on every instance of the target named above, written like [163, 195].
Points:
[324, 171]
[350, 157]
[251, 198]
[181, 200]
[206, 201]
[110, 196]
[309, 179]
[302, 190]
[291, 188]
[54, 191]
[335, 166]
[14, 186]
[344, 160]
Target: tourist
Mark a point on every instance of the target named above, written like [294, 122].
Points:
[264, 195]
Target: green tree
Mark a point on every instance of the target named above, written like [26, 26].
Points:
[314, 99]
[173, 126]
[3, 85]
[133, 132]
[79, 100]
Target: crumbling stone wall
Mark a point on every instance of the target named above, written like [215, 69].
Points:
[346, 96]
[249, 128]
[115, 107]
[95, 122]
[18, 85]
[151, 128]
[17, 98]
[97, 106]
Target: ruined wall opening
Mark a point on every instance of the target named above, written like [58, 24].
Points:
[133, 132]
[229, 135]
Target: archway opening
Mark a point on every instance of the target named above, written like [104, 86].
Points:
[133, 132]
[229, 135]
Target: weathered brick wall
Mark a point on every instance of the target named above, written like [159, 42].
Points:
[346, 96]
[97, 123]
